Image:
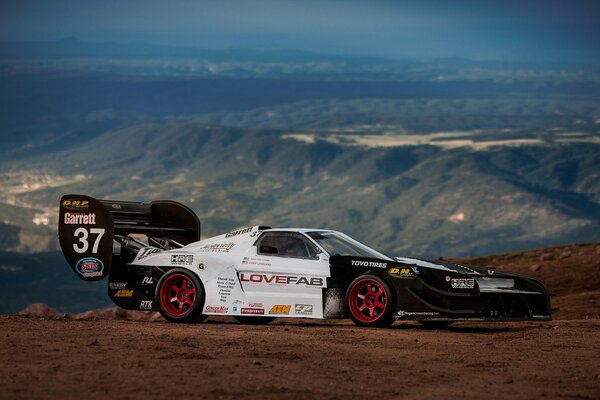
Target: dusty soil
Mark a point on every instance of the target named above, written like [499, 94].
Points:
[112, 353]
[99, 359]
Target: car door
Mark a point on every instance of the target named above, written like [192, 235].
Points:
[284, 273]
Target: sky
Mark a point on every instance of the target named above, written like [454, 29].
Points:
[527, 30]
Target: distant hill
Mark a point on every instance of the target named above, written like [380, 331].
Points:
[422, 199]
[295, 138]
[55, 109]
[46, 278]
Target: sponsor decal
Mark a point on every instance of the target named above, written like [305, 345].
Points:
[216, 309]
[417, 313]
[117, 285]
[225, 285]
[123, 293]
[89, 267]
[448, 278]
[281, 279]
[116, 206]
[490, 271]
[79, 219]
[200, 266]
[182, 259]
[303, 309]
[462, 283]
[75, 204]
[219, 247]
[148, 251]
[368, 264]
[254, 311]
[146, 305]
[256, 305]
[405, 273]
[148, 280]
[238, 232]
[256, 261]
[280, 309]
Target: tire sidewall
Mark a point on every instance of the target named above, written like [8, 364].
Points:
[388, 315]
[195, 312]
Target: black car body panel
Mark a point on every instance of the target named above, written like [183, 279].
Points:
[430, 290]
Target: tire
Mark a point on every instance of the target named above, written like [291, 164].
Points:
[254, 320]
[435, 324]
[180, 296]
[370, 302]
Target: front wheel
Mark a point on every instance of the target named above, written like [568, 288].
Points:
[370, 301]
[180, 296]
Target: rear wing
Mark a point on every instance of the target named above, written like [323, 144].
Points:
[90, 229]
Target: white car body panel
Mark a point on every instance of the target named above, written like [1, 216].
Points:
[239, 281]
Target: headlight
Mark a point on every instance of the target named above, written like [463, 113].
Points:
[488, 283]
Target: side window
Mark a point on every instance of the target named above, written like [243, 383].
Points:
[285, 244]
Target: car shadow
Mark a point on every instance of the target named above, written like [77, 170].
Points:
[458, 327]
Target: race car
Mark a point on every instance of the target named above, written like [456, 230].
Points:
[155, 260]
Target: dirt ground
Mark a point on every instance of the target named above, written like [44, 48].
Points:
[116, 354]
[43, 358]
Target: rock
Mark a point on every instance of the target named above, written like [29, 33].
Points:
[143, 315]
[101, 313]
[535, 267]
[120, 313]
[566, 254]
[40, 310]
[85, 315]
[546, 257]
[157, 317]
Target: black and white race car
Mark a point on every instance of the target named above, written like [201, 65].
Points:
[155, 260]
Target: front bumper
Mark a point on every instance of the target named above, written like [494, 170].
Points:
[491, 298]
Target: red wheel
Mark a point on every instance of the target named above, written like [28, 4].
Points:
[179, 295]
[369, 301]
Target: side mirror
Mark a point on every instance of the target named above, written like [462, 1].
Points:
[264, 249]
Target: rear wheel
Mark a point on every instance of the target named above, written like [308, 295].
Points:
[180, 296]
[254, 320]
[369, 301]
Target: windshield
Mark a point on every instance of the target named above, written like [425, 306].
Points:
[335, 243]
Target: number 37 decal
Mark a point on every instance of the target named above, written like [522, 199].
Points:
[82, 234]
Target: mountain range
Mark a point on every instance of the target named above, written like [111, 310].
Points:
[420, 199]
[445, 157]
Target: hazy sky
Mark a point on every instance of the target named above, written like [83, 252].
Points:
[552, 30]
